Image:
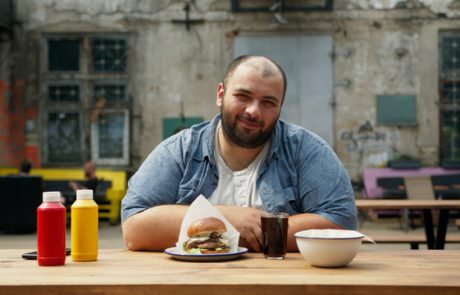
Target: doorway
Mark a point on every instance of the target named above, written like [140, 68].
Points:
[308, 65]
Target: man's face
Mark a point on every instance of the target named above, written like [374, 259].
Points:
[250, 104]
[88, 170]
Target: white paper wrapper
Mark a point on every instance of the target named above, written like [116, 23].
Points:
[202, 208]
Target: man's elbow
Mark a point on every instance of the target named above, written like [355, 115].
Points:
[130, 237]
[132, 244]
[139, 236]
[133, 237]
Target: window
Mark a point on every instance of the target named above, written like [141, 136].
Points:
[449, 84]
[109, 137]
[63, 137]
[86, 103]
[108, 55]
[63, 55]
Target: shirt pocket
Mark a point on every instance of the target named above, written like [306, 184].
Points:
[198, 183]
[286, 201]
[185, 195]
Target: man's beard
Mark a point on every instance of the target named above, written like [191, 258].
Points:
[241, 137]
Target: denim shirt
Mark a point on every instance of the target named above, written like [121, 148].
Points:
[301, 174]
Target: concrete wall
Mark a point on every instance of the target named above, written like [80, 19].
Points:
[381, 47]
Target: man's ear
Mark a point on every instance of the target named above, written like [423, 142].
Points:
[220, 94]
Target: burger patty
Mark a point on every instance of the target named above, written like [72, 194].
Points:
[212, 243]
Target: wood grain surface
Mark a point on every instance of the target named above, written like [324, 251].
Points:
[125, 272]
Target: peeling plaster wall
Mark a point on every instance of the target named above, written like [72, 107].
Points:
[384, 60]
[5, 97]
[382, 47]
[375, 4]
[447, 7]
[169, 65]
[390, 54]
[180, 67]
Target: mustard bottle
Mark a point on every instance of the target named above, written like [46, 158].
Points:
[84, 227]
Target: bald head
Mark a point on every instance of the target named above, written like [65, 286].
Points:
[89, 169]
[265, 65]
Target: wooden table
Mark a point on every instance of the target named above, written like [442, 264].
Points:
[433, 241]
[370, 176]
[125, 272]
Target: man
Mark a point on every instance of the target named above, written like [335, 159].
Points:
[25, 168]
[89, 169]
[244, 161]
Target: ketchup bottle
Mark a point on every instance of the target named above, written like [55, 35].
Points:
[51, 230]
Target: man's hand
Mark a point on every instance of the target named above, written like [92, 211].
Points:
[247, 222]
[74, 185]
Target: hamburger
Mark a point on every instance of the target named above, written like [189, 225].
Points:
[205, 237]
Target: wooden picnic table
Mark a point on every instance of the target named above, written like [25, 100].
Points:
[120, 271]
[433, 241]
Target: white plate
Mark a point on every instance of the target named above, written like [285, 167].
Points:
[205, 257]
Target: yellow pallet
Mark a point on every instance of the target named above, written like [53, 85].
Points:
[114, 194]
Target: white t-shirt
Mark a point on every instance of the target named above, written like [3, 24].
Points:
[237, 187]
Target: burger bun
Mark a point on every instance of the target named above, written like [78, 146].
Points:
[203, 227]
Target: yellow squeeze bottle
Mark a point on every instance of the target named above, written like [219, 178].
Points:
[84, 227]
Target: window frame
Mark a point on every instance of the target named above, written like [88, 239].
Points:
[445, 77]
[124, 160]
[45, 137]
[86, 78]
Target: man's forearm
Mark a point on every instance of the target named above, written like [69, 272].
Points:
[306, 221]
[158, 228]
[154, 229]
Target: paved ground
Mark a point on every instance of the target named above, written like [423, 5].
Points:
[110, 236]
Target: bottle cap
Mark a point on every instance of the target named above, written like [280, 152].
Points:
[84, 194]
[51, 197]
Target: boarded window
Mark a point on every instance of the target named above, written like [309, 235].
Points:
[63, 55]
[396, 110]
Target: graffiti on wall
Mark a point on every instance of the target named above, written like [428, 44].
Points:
[373, 147]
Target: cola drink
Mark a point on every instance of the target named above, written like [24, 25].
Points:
[274, 235]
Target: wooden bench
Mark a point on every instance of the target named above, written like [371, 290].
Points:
[413, 239]
[108, 208]
[65, 189]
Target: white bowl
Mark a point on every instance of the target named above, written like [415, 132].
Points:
[328, 247]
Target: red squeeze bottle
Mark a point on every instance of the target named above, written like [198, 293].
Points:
[51, 230]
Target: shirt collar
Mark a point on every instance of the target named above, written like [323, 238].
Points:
[209, 140]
